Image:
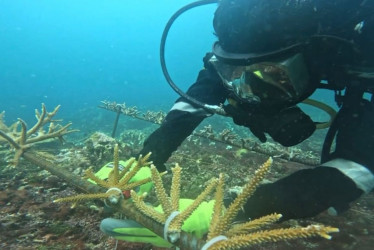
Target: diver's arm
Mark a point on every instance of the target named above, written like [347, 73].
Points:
[184, 117]
[307, 193]
[342, 179]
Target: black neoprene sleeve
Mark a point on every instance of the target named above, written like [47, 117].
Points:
[304, 193]
[341, 179]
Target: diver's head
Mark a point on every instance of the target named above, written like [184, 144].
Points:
[263, 26]
[327, 37]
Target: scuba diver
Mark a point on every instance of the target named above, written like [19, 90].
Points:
[270, 56]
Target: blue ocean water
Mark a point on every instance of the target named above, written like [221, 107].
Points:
[78, 53]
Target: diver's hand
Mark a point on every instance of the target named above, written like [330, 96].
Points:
[289, 126]
[304, 193]
[244, 118]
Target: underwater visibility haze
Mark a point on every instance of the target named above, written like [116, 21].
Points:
[91, 57]
[77, 53]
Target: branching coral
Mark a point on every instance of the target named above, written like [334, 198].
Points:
[118, 180]
[170, 204]
[23, 139]
[227, 136]
[151, 116]
[222, 233]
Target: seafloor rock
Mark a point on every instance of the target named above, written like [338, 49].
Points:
[74, 158]
[100, 147]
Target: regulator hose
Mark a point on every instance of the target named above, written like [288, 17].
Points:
[209, 108]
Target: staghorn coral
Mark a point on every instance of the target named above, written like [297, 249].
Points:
[227, 136]
[23, 139]
[150, 116]
[221, 235]
[2, 123]
[170, 205]
[225, 235]
[118, 180]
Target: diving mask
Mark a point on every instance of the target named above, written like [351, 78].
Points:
[273, 82]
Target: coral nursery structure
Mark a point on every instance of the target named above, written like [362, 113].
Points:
[222, 234]
[226, 136]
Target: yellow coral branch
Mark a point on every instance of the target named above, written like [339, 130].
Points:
[145, 209]
[113, 183]
[126, 168]
[22, 138]
[40, 119]
[132, 185]
[247, 191]
[218, 208]
[176, 224]
[175, 187]
[90, 175]
[114, 174]
[81, 197]
[247, 240]
[160, 191]
[142, 161]
[256, 224]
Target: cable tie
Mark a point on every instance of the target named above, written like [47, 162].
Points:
[115, 189]
[167, 223]
[213, 241]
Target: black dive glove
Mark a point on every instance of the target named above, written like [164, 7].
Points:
[302, 194]
[289, 126]
[339, 181]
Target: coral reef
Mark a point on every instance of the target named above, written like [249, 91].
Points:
[221, 234]
[133, 138]
[23, 139]
[3, 127]
[100, 147]
[275, 150]
[150, 116]
[226, 136]
[75, 158]
[29, 220]
[117, 182]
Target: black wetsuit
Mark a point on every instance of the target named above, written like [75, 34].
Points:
[345, 174]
